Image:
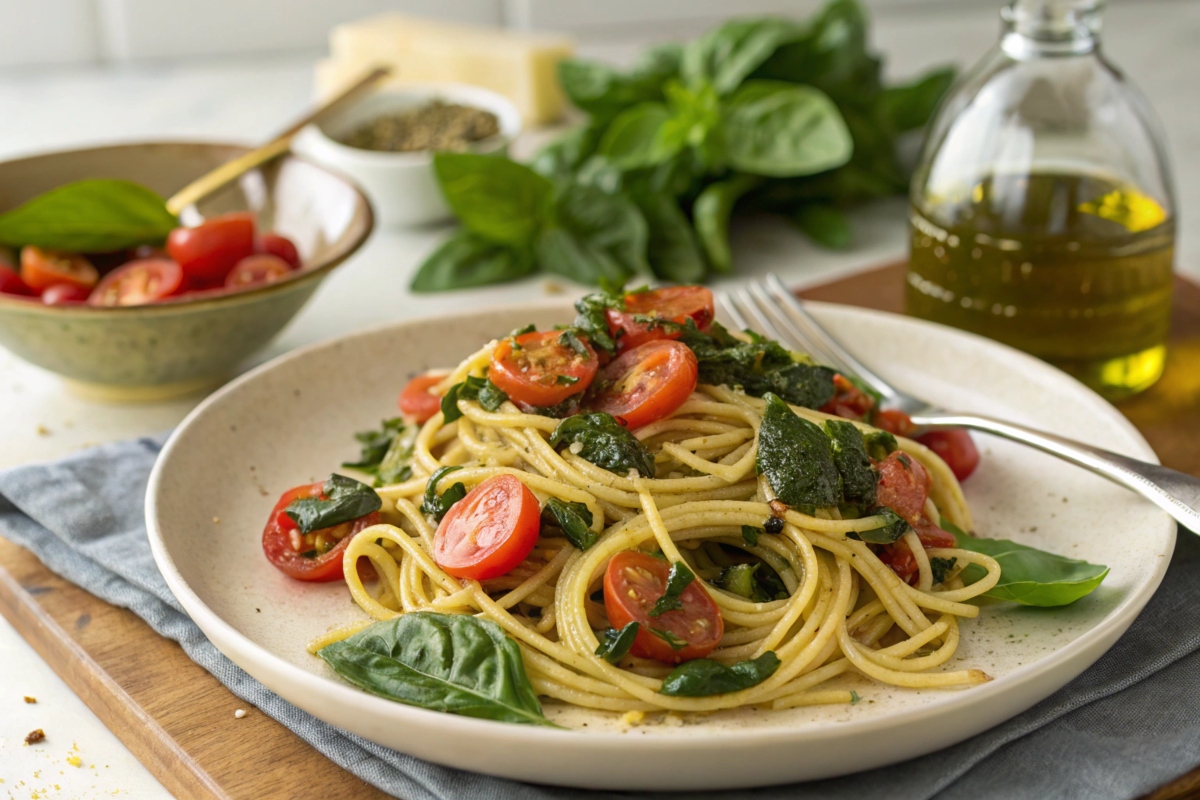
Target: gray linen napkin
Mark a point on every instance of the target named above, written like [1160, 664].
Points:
[1124, 727]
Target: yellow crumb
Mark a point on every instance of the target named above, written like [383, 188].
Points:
[75, 761]
[633, 717]
[42, 430]
[216, 520]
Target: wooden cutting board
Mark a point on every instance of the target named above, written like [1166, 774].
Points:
[179, 720]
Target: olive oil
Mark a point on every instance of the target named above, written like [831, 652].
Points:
[1075, 269]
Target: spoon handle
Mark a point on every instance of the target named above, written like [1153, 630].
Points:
[230, 171]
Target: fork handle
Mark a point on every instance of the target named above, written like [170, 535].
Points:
[1175, 492]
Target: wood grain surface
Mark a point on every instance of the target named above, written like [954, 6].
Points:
[179, 720]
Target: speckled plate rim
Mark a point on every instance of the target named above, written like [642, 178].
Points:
[746, 757]
[201, 300]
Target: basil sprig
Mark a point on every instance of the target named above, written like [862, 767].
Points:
[92, 216]
[574, 519]
[678, 579]
[456, 663]
[344, 500]
[702, 677]
[436, 506]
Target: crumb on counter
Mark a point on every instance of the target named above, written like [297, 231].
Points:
[553, 288]
[241, 712]
[30, 700]
[75, 761]
[35, 736]
[42, 430]
[633, 717]
[216, 520]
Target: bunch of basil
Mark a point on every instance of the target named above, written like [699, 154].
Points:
[768, 114]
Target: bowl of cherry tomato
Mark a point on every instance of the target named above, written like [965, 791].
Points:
[174, 305]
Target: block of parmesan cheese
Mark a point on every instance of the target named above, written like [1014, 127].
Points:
[521, 66]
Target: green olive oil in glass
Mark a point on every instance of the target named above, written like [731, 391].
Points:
[1042, 211]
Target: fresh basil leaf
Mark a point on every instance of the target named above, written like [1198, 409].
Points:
[385, 453]
[694, 125]
[574, 519]
[633, 140]
[1029, 576]
[456, 663]
[672, 249]
[782, 130]
[941, 568]
[591, 318]
[678, 579]
[909, 107]
[344, 500]
[604, 92]
[605, 442]
[436, 506]
[894, 526]
[880, 444]
[825, 225]
[468, 259]
[673, 641]
[375, 444]
[727, 55]
[850, 457]
[91, 216]
[796, 457]
[710, 216]
[594, 236]
[750, 535]
[497, 198]
[566, 380]
[562, 157]
[703, 677]
[614, 644]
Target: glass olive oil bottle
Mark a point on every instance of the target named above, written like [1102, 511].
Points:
[1042, 211]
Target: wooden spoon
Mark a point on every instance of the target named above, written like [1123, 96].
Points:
[230, 171]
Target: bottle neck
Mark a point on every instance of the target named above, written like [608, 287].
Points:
[1041, 28]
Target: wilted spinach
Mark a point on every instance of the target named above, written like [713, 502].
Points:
[678, 579]
[343, 500]
[615, 644]
[853, 463]
[488, 394]
[574, 519]
[702, 677]
[604, 442]
[436, 506]
[796, 457]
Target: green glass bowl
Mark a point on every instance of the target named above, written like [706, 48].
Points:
[192, 342]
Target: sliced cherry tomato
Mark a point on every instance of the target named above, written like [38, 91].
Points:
[138, 283]
[41, 269]
[539, 369]
[65, 294]
[894, 422]
[933, 536]
[281, 246]
[416, 403]
[285, 546]
[633, 583]
[489, 531]
[636, 324]
[647, 383]
[11, 283]
[849, 402]
[207, 252]
[256, 269]
[903, 486]
[900, 558]
[956, 448]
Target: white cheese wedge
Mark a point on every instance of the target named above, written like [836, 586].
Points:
[520, 66]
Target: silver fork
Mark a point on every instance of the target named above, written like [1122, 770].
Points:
[768, 306]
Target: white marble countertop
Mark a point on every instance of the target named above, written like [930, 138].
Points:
[246, 100]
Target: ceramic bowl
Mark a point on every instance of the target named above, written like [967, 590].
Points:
[191, 342]
[402, 187]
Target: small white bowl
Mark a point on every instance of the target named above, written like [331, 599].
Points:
[402, 187]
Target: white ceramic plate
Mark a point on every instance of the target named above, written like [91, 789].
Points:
[291, 420]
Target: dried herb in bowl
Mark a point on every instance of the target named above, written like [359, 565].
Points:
[437, 126]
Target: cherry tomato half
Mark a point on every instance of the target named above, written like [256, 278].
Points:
[894, 422]
[489, 531]
[672, 303]
[138, 283]
[647, 383]
[849, 402]
[11, 283]
[284, 545]
[416, 403]
[256, 269]
[956, 448]
[633, 583]
[276, 245]
[900, 558]
[207, 252]
[903, 486]
[41, 269]
[65, 294]
[538, 369]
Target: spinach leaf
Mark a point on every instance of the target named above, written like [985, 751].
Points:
[488, 394]
[605, 442]
[879, 444]
[344, 500]
[796, 457]
[435, 506]
[782, 130]
[1030, 576]
[678, 579]
[468, 259]
[702, 677]
[824, 224]
[894, 526]
[672, 249]
[673, 641]
[853, 464]
[499, 199]
[941, 568]
[750, 534]
[758, 366]
[614, 644]
[573, 518]
[710, 216]
[591, 317]
[727, 55]
[633, 139]
[594, 236]
[91, 216]
[443, 662]
[385, 453]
